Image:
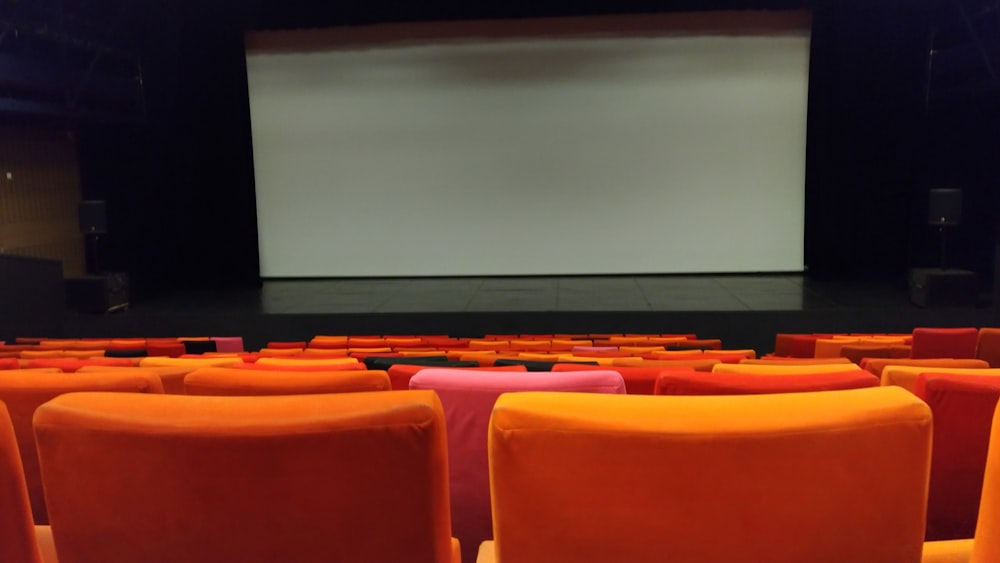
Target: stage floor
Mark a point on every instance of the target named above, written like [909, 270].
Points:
[535, 294]
[745, 311]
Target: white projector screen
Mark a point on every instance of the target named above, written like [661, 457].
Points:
[527, 154]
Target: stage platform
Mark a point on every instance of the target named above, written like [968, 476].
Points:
[745, 311]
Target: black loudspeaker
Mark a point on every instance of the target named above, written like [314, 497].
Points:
[98, 294]
[93, 217]
[944, 207]
[935, 287]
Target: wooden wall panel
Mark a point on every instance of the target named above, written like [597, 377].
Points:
[39, 195]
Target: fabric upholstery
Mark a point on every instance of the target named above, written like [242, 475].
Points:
[876, 365]
[296, 362]
[468, 397]
[17, 530]
[188, 362]
[906, 376]
[172, 378]
[944, 343]
[695, 383]
[757, 369]
[355, 478]
[784, 478]
[947, 551]
[963, 407]
[988, 346]
[223, 381]
[638, 380]
[24, 392]
[790, 361]
[69, 364]
[228, 343]
[400, 374]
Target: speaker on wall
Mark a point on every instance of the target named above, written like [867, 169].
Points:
[944, 207]
[93, 217]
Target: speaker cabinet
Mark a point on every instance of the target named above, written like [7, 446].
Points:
[935, 287]
[98, 294]
[944, 207]
[93, 217]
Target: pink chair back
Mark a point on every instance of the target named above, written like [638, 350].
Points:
[468, 397]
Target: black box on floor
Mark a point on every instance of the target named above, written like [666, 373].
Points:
[936, 287]
[98, 294]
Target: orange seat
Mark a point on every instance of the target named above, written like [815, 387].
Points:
[355, 478]
[600, 478]
[876, 365]
[24, 392]
[172, 377]
[225, 381]
[19, 537]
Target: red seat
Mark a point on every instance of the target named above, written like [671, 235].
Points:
[944, 343]
[963, 408]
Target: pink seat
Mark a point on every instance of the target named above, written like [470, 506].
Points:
[468, 397]
[228, 344]
[944, 343]
[963, 408]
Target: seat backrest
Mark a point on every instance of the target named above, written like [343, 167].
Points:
[23, 393]
[159, 361]
[224, 381]
[782, 478]
[400, 374]
[696, 383]
[171, 377]
[906, 376]
[963, 407]
[988, 346]
[17, 530]
[468, 397]
[986, 548]
[306, 362]
[877, 365]
[770, 369]
[944, 343]
[350, 478]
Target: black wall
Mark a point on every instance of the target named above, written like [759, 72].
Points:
[180, 186]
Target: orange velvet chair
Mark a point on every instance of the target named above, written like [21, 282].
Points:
[24, 392]
[985, 546]
[20, 540]
[69, 365]
[357, 478]
[963, 407]
[784, 478]
[172, 378]
[695, 383]
[223, 381]
[877, 365]
[944, 343]
[770, 369]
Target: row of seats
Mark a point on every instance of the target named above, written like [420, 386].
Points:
[579, 477]
[229, 381]
[725, 379]
[922, 343]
